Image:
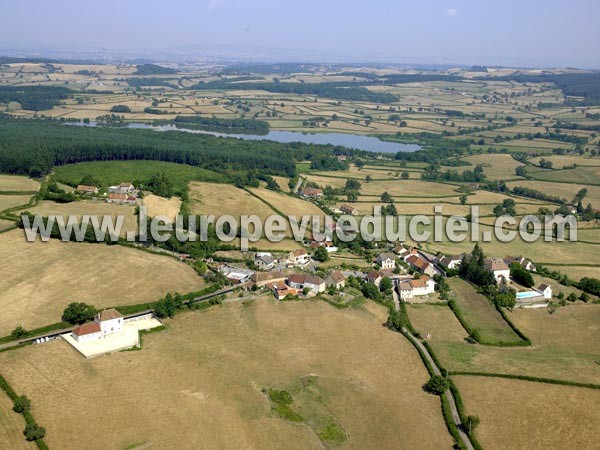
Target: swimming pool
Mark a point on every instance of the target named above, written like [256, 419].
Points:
[527, 294]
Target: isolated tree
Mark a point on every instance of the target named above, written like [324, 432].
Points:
[321, 254]
[18, 332]
[368, 178]
[437, 385]
[34, 432]
[21, 404]
[471, 423]
[78, 313]
[463, 200]
[386, 285]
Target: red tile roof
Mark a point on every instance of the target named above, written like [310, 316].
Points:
[87, 328]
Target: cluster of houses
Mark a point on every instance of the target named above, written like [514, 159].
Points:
[123, 194]
[295, 283]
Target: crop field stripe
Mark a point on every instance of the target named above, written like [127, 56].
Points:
[526, 378]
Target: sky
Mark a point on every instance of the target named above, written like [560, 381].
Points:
[549, 33]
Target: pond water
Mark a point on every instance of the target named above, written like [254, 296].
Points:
[358, 142]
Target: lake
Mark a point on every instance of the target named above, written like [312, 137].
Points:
[358, 142]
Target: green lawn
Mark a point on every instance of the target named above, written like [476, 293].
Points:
[480, 314]
[115, 172]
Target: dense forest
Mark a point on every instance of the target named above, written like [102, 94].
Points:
[33, 148]
[336, 90]
[34, 98]
[435, 148]
[153, 69]
[234, 126]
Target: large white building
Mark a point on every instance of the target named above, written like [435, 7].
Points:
[416, 287]
[499, 268]
[106, 322]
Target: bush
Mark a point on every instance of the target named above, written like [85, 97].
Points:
[33, 432]
[21, 404]
[18, 332]
[437, 385]
[78, 313]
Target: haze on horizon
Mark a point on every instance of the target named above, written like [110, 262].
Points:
[549, 34]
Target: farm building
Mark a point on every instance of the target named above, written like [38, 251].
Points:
[311, 192]
[83, 189]
[335, 280]
[499, 268]
[416, 287]
[123, 188]
[109, 321]
[350, 210]
[386, 261]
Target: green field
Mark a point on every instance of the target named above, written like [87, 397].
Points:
[480, 314]
[116, 172]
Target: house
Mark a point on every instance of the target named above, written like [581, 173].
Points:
[261, 279]
[522, 261]
[402, 252]
[310, 192]
[450, 262]
[499, 268]
[123, 188]
[312, 282]
[116, 198]
[374, 277]
[110, 321]
[87, 332]
[82, 188]
[386, 261]
[416, 287]
[348, 209]
[106, 322]
[265, 262]
[336, 280]
[235, 275]
[342, 157]
[423, 266]
[300, 257]
[545, 290]
[281, 293]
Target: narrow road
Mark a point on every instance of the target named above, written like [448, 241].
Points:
[436, 370]
[448, 393]
[56, 333]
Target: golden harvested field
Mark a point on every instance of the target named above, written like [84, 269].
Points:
[11, 427]
[496, 166]
[204, 375]
[11, 201]
[6, 224]
[565, 344]
[16, 183]
[225, 199]
[91, 207]
[560, 161]
[222, 199]
[162, 206]
[519, 414]
[577, 273]
[40, 279]
[288, 205]
[566, 190]
[399, 188]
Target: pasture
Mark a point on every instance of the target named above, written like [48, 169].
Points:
[89, 207]
[11, 427]
[13, 183]
[479, 313]
[40, 279]
[115, 172]
[564, 344]
[528, 415]
[207, 372]
[156, 205]
[12, 201]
